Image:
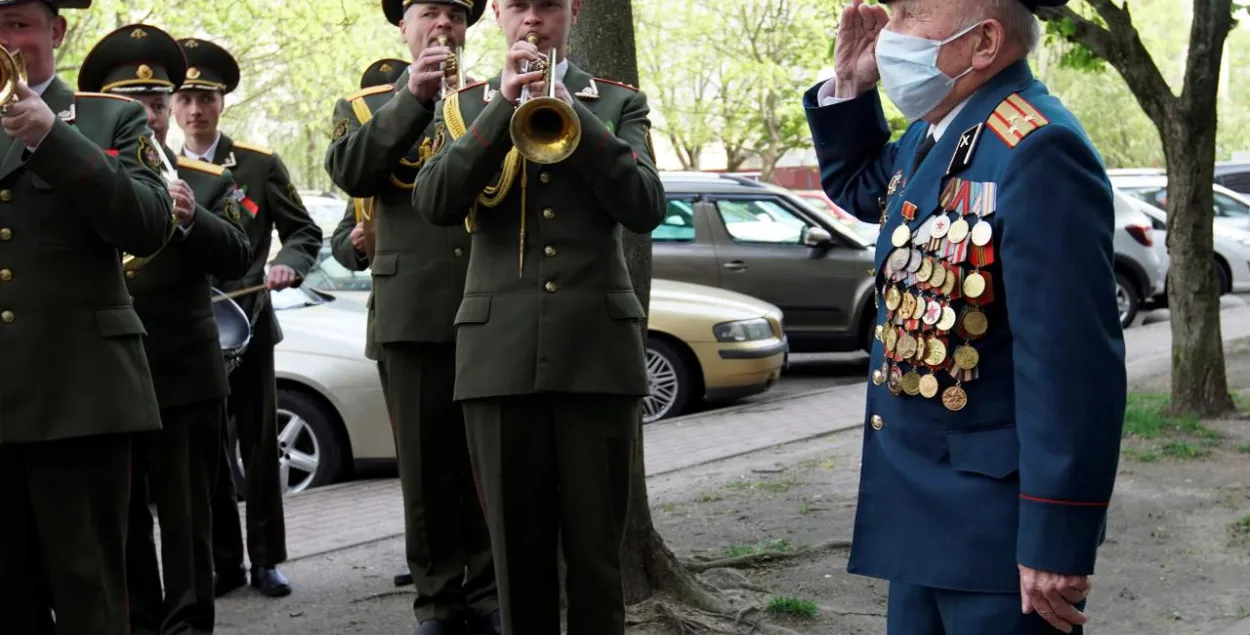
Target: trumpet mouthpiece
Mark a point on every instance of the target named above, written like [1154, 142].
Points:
[532, 38]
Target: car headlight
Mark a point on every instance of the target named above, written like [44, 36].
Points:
[743, 330]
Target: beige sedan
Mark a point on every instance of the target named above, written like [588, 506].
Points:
[704, 345]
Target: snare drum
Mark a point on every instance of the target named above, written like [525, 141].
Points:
[234, 330]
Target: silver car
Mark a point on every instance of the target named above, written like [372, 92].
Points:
[1138, 271]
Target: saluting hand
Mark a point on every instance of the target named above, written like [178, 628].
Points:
[29, 119]
[425, 80]
[358, 237]
[855, 54]
[512, 81]
[184, 201]
[1053, 596]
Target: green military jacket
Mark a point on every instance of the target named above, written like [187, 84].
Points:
[548, 304]
[345, 253]
[173, 296]
[71, 340]
[268, 200]
[382, 138]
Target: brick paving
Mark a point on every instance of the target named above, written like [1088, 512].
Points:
[349, 514]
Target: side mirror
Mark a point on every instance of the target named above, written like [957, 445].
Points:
[817, 237]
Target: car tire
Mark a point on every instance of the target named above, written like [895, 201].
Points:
[1128, 299]
[309, 447]
[1222, 284]
[669, 381]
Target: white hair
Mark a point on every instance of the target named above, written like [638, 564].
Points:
[1017, 19]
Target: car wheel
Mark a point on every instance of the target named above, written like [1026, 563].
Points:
[1222, 284]
[309, 453]
[1127, 299]
[669, 382]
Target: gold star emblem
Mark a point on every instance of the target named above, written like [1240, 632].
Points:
[143, 72]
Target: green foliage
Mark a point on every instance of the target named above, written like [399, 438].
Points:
[1176, 437]
[792, 607]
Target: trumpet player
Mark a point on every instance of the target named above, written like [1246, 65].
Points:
[550, 366]
[381, 139]
[83, 184]
[175, 467]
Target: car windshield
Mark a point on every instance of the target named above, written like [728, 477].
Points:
[294, 298]
[329, 275]
[325, 211]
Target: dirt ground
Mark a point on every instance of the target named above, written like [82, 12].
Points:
[1177, 558]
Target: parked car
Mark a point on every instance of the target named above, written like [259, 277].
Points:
[1138, 271]
[764, 241]
[326, 209]
[704, 345]
[1234, 175]
[1151, 185]
[1232, 253]
[821, 202]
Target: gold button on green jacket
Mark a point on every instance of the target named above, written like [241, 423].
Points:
[71, 340]
[548, 303]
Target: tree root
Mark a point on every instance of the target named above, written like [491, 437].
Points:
[756, 559]
[683, 619]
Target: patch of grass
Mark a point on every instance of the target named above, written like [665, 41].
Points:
[669, 507]
[780, 486]
[711, 498]
[805, 509]
[1176, 437]
[1241, 531]
[791, 606]
[1244, 448]
[780, 545]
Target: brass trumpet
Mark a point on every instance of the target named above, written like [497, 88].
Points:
[544, 129]
[12, 71]
[131, 262]
[451, 67]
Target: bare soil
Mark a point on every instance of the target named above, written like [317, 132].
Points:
[1177, 558]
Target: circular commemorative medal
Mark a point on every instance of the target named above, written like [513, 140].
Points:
[917, 259]
[922, 347]
[924, 233]
[900, 236]
[948, 287]
[941, 225]
[932, 312]
[926, 270]
[974, 285]
[893, 298]
[982, 233]
[937, 353]
[909, 304]
[906, 346]
[893, 382]
[911, 383]
[954, 398]
[939, 275]
[890, 339]
[917, 312]
[975, 323]
[966, 357]
[898, 260]
[949, 317]
[878, 377]
[929, 386]
[958, 231]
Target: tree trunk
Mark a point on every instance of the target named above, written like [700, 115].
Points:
[603, 45]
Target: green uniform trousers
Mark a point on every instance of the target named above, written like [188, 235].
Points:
[174, 469]
[63, 536]
[253, 403]
[447, 543]
[554, 473]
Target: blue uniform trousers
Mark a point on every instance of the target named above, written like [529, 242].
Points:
[920, 610]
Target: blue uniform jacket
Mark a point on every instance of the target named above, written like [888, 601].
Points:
[1013, 460]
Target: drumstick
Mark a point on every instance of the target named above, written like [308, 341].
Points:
[241, 292]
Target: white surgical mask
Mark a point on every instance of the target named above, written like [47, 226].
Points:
[910, 74]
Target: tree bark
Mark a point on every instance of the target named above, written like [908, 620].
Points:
[1187, 126]
[603, 45]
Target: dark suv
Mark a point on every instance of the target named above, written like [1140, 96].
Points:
[761, 240]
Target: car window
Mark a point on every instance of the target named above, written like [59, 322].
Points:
[1229, 207]
[760, 221]
[678, 225]
[329, 275]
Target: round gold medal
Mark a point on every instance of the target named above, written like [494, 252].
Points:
[939, 275]
[926, 270]
[922, 345]
[909, 304]
[974, 285]
[958, 231]
[975, 323]
[954, 398]
[982, 233]
[894, 382]
[893, 298]
[936, 354]
[949, 317]
[906, 346]
[917, 312]
[878, 377]
[929, 386]
[948, 287]
[966, 357]
[911, 383]
[900, 236]
[890, 339]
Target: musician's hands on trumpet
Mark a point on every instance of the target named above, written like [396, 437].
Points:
[517, 75]
[184, 201]
[425, 76]
[28, 118]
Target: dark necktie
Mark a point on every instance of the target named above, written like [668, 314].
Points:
[923, 150]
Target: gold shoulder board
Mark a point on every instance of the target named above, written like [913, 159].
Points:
[200, 166]
[372, 90]
[104, 95]
[256, 149]
[1014, 119]
[608, 81]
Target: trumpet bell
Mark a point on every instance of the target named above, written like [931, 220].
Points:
[545, 130]
[12, 71]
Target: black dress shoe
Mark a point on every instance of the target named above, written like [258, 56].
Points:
[403, 579]
[228, 580]
[489, 624]
[270, 582]
[440, 627]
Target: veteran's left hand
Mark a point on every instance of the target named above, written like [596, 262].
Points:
[29, 119]
[281, 277]
[1053, 596]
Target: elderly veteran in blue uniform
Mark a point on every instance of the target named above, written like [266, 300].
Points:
[997, 389]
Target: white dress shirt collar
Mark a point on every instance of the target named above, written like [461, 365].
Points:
[208, 154]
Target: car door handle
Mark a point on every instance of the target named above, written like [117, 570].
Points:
[735, 265]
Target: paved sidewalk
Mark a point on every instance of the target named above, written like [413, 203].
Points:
[349, 514]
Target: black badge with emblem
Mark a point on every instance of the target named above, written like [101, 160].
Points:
[340, 129]
[964, 149]
[148, 154]
[232, 210]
